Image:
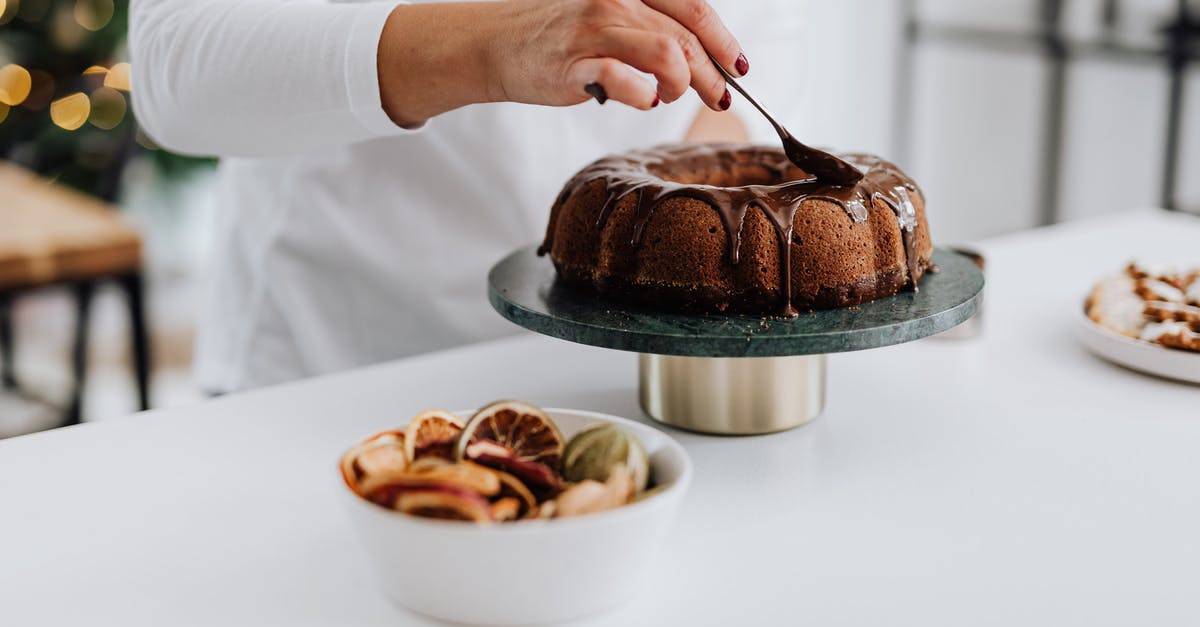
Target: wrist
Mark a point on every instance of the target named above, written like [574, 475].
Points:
[434, 58]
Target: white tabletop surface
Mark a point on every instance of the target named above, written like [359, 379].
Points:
[1010, 480]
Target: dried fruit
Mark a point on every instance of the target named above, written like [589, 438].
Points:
[590, 496]
[526, 430]
[595, 451]
[511, 487]
[504, 464]
[540, 478]
[444, 504]
[465, 474]
[507, 508]
[379, 455]
[386, 494]
[432, 433]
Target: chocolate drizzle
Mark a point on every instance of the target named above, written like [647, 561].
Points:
[650, 175]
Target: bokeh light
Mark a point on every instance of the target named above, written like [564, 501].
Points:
[95, 69]
[3, 109]
[93, 14]
[108, 108]
[15, 83]
[65, 31]
[118, 77]
[70, 112]
[8, 10]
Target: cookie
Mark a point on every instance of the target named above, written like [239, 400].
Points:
[1154, 289]
[1160, 311]
[1115, 305]
[1172, 335]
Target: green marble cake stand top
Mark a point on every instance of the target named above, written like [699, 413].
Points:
[524, 289]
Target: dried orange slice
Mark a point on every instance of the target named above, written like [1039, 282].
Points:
[379, 455]
[523, 429]
[431, 433]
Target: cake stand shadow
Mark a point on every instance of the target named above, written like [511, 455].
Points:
[731, 374]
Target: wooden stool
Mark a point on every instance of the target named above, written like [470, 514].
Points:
[53, 236]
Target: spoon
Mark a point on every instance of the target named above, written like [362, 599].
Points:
[823, 165]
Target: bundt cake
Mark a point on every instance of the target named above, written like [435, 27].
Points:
[700, 228]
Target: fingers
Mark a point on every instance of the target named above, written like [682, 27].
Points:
[616, 80]
[652, 53]
[705, 79]
[699, 18]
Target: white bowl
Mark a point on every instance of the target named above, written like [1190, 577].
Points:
[1147, 357]
[525, 572]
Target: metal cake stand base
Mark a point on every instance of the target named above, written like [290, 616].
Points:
[729, 374]
[732, 395]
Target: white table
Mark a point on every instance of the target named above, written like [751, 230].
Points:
[1009, 480]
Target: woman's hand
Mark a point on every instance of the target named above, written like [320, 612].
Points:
[437, 57]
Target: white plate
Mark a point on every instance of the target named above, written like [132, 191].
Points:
[1142, 356]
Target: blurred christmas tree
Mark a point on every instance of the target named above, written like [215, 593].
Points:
[64, 93]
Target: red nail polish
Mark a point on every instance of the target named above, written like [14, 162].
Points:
[726, 100]
[655, 103]
[742, 65]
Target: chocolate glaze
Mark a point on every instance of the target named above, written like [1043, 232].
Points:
[647, 173]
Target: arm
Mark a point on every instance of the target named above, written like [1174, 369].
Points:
[255, 77]
[263, 77]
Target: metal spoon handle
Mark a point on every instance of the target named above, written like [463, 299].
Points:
[732, 82]
[825, 166]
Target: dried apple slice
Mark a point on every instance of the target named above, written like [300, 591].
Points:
[432, 433]
[379, 455]
[466, 474]
[511, 487]
[507, 508]
[444, 504]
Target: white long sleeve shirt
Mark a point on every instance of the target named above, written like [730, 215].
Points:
[341, 239]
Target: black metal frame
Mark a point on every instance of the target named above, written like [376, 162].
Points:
[131, 284]
[1180, 47]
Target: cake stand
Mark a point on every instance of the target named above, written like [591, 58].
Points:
[730, 374]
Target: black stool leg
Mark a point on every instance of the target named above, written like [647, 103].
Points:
[7, 349]
[139, 336]
[83, 307]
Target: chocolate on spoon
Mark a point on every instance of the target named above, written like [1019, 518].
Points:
[823, 165]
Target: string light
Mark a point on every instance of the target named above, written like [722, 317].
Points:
[70, 112]
[93, 14]
[108, 108]
[15, 83]
[118, 77]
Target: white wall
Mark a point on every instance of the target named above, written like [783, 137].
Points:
[977, 125]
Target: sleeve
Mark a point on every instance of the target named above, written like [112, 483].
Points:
[257, 78]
